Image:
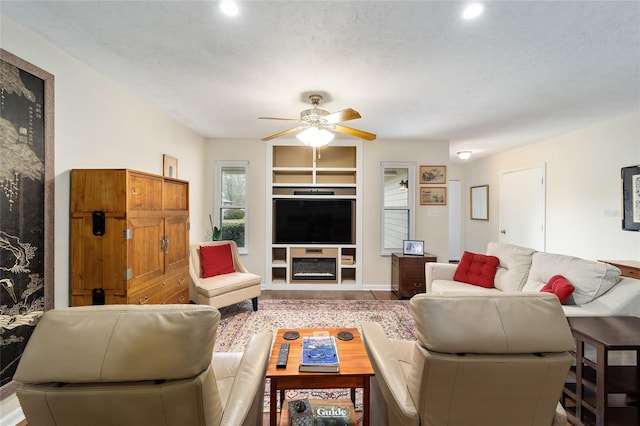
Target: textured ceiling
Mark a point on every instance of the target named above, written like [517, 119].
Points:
[414, 70]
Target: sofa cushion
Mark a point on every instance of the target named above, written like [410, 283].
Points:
[216, 260]
[515, 262]
[591, 279]
[559, 286]
[476, 269]
[447, 286]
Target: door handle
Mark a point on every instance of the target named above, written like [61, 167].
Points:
[503, 231]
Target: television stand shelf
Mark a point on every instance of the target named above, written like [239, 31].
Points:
[314, 225]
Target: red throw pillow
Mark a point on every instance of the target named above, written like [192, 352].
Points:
[477, 269]
[216, 260]
[559, 286]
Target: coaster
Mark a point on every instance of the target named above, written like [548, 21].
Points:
[291, 335]
[345, 335]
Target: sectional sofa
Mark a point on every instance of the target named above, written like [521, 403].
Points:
[599, 290]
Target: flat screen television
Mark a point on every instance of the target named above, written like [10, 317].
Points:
[313, 221]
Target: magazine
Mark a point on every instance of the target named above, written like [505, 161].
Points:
[319, 354]
[332, 415]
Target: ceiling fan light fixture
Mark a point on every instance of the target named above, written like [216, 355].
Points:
[472, 11]
[464, 155]
[229, 7]
[315, 136]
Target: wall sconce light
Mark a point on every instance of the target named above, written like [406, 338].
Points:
[464, 155]
[404, 185]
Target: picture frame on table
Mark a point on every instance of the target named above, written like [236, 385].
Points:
[413, 247]
[433, 196]
[433, 175]
[26, 207]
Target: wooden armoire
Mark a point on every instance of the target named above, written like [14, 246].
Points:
[129, 238]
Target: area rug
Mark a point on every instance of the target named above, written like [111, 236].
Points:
[239, 322]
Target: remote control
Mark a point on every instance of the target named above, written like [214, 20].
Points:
[283, 355]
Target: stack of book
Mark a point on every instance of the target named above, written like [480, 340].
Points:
[319, 354]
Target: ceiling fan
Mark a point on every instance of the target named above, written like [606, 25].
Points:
[319, 124]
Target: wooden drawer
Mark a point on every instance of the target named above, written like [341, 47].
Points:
[412, 273]
[176, 284]
[182, 296]
[146, 296]
[411, 288]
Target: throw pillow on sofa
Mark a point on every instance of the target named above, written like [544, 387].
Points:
[590, 278]
[515, 262]
[477, 269]
[216, 260]
[559, 286]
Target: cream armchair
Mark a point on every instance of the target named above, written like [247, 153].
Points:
[223, 290]
[139, 365]
[479, 360]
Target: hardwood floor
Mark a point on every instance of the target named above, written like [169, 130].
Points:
[328, 295]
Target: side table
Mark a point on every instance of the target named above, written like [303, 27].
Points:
[407, 274]
[592, 401]
[628, 268]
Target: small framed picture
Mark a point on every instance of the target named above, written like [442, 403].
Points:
[413, 247]
[433, 175]
[430, 196]
[169, 166]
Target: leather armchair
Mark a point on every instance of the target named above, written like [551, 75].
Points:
[479, 360]
[139, 365]
[223, 290]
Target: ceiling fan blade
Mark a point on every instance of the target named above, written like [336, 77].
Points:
[278, 118]
[354, 132]
[285, 132]
[344, 115]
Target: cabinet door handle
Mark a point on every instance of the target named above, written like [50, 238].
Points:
[166, 245]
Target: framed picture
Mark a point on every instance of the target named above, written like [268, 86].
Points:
[413, 247]
[433, 196]
[479, 202]
[433, 175]
[631, 198]
[169, 166]
[26, 207]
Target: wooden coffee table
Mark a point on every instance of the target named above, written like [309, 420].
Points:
[355, 370]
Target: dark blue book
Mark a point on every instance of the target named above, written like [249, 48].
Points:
[319, 354]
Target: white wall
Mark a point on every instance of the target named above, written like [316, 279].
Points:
[376, 268]
[99, 124]
[253, 151]
[583, 206]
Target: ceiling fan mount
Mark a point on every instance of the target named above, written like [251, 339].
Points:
[322, 119]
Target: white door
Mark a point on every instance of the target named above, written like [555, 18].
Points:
[522, 207]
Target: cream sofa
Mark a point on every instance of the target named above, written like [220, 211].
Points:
[599, 289]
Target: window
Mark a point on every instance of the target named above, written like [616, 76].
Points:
[231, 202]
[397, 215]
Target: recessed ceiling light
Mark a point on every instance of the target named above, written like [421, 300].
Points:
[229, 7]
[473, 10]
